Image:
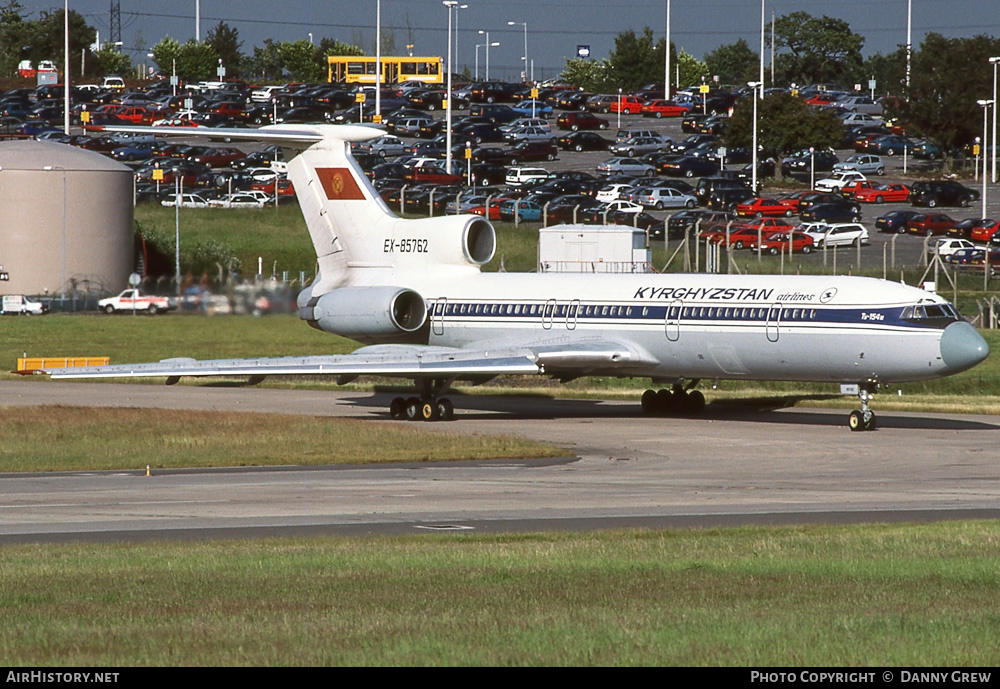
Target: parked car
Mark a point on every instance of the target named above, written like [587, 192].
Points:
[760, 207]
[583, 141]
[831, 213]
[625, 166]
[665, 197]
[894, 221]
[778, 242]
[946, 192]
[838, 180]
[882, 193]
[863, 162]
[576, 121]
[838, 234]
[928, 224]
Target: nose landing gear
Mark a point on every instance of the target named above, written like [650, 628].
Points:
[863, 419]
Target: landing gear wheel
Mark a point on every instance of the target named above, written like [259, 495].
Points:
[397, 409]
[649, 402]
[445, 409]
[695, 403]
[862, 421]
[412, 410]
[429, 410]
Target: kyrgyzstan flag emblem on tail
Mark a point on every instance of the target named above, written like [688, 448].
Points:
[339, 184]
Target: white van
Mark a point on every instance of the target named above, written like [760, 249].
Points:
[21, 305]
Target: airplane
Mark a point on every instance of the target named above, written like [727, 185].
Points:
[414, 293]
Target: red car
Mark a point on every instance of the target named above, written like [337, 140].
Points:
[792, 200]
[881, 193]
[218, 157]
[930, 224]
[627, 105]
[759, 208]
[984, 232]
[285, 187]
[663, 108]
[777, 242]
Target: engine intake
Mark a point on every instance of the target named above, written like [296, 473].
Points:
[369, 314]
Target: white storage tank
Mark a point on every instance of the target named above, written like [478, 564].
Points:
[66, 220]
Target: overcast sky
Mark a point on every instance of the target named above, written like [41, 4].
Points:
[555, 27]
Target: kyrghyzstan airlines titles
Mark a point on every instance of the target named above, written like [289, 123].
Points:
[719, 293]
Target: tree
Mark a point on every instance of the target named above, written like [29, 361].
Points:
[47, 38]
[948, 76]
[226, 43]
[165, 54]
[888, 71]
[636, 60]
[298, 58]
[197, 61]
[735, 63]
[589, 75]
[14, 39]
[823, 50]
[266, 62]
[689, 70]
[110, 61]
[786, 124]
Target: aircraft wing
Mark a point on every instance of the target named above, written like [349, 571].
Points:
[402, 361]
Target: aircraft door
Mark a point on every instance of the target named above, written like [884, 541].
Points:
[572, 312]
[672, 320]
[548, 314]
[773, 321]
[437, 316]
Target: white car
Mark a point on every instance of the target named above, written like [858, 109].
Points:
[529, 134]
[238, 200]
[839, 180]
[838, 234]
[611, 192]
[665, 197]
[622, 206]
[187, 201]
[947, 247]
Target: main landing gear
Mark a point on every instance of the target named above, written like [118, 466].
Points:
[863, 419]
[679, 401]
[429, 406]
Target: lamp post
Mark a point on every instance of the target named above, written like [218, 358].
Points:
[450, 4]
[488, 44]
[458, 7]
[985, 104]
[666, 66]
[993, 170]
[378, 64]
[525, 58]
[754, 85]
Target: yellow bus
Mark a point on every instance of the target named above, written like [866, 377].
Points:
[395, 70]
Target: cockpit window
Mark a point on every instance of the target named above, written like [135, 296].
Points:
[931, 314]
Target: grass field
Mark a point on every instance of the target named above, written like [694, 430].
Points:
[878, 595]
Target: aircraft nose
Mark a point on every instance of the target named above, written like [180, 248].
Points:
[962, 347]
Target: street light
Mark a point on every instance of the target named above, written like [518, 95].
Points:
[450, 4]
[993, 170]
[985, 104]
[459, 7]
[754, 85]
[525, 58]
[488, 45]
